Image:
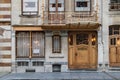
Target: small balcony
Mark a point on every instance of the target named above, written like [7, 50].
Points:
[69, 17]
[114, 7]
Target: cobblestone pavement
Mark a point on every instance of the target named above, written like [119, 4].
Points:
[63, 76]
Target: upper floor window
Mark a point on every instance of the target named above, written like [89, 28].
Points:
[115, 5]
[29, 7]
[56, 5]
[82, 5]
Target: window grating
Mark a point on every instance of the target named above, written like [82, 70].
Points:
[22, 63]
[56, 40]
[37, 63]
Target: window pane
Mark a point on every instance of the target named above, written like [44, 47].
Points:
[52, 5]
[60, 5]
[23, 44]
[38, 44]
[110, 30]
[81, 39]
[71, 39]
[81, 5]
[56, 44]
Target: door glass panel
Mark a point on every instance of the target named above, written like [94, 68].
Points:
[113, 41]
[82, 39]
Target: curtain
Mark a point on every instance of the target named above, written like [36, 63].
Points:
[23, 44]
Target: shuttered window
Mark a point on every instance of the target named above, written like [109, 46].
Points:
[56, 40]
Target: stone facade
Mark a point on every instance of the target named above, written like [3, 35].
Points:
[101, 17]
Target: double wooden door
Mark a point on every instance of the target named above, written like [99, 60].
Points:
[82, 50]
[114, 50]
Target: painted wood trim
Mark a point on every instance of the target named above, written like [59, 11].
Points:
[27, 28]
[5, 1]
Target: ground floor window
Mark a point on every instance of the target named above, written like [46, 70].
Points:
[56, 44]
[29, 44]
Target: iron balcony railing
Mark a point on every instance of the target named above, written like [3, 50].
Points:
[114, 7]
[68, 17]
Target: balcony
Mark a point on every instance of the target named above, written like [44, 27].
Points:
[114, 7]
[69, 17]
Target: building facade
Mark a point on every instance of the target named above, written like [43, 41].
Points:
[64, 35]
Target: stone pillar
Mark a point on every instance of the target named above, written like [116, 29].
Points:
[13, 55]
[100, 51]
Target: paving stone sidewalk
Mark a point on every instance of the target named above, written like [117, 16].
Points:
[63, 76]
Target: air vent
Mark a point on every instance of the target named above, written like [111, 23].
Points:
[30, 70]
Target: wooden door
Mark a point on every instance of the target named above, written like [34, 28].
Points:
[114, 50]
[82, 50]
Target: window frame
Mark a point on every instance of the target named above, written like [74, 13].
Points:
[29, 13]
[53, 47]
[86, 8]
[30, 54]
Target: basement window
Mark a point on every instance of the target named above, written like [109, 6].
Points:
[37, 63]
[56, 67]
[22, 63]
